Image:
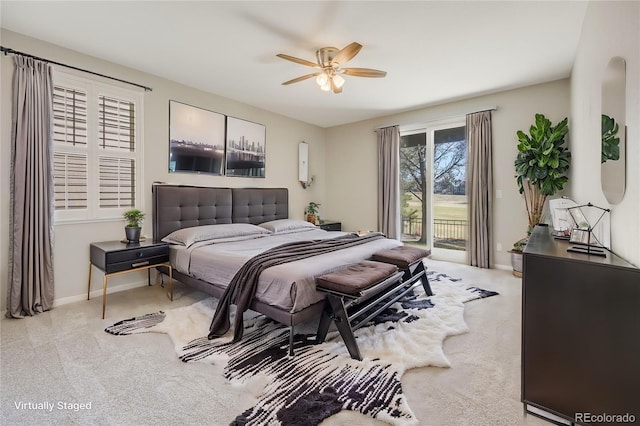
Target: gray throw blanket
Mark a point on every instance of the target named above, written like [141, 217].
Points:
[242, 288]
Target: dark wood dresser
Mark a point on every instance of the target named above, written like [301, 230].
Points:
[580, 332]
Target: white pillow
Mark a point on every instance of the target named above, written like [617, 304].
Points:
[195, 234]
[282, 226]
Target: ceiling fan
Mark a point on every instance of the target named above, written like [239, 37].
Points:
[329, 66]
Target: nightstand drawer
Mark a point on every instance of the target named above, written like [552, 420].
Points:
[111, 256]
[136, 263]
[136, 254]
[329, 225]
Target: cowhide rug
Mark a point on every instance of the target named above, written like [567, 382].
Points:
[320, 380]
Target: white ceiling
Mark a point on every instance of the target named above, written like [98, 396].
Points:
[433, 52]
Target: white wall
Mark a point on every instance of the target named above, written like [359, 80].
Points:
[352, 149]
[609, 29]
[71, 254]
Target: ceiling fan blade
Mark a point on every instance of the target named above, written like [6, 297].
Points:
[347, 53]
[298, 60]
[363, 72]
[301, 78]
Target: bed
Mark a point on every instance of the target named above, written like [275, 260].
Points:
[285, 293]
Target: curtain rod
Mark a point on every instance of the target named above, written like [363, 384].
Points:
[7, 50]
[493, 108]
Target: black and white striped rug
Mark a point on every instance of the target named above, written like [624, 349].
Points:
[320, 380]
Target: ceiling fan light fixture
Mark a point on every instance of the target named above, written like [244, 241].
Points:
[322, 79]
[329, 67]
[338, 81]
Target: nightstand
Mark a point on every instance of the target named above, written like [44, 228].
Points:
[115, 258]
[330, 225]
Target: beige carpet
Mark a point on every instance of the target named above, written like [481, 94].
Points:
[64, 358]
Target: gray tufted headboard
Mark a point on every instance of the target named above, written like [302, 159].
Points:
[181, 206]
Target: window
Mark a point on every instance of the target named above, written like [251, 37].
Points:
[97, 149]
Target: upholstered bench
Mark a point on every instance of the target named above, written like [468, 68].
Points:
[355, 295]
[409, 260]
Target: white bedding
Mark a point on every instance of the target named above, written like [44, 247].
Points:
[290, 286]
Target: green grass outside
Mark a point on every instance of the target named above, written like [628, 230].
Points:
[445, 207]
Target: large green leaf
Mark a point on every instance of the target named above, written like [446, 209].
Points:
[610, 143]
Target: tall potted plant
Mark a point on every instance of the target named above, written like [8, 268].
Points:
[541, 166]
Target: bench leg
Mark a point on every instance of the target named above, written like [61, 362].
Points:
[424, 278]
[342, 322]
[324, 324]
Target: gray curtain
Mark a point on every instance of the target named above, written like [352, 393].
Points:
[389, 181]
[480, 188]
[31, 250]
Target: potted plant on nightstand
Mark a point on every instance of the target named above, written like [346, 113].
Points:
[541, 167]
[132, 229]
[312, 212]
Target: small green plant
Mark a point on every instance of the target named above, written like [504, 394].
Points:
[312, 208]
[520, 244]
[312, 212]
[610, 141]
[134, 218]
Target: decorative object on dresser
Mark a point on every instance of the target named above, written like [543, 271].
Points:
[246, 143]
[311, 212]
[329, 225]
[115, 258]
[196, 139]
[322, 379]
[133, 227]
[580, 328]
[586, 230]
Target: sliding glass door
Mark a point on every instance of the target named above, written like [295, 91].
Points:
[433, 162]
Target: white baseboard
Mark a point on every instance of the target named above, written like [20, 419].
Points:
[98, 293]
[503, 267]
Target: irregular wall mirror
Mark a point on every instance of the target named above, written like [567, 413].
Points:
[613, 127]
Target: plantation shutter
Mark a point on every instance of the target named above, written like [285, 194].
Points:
[70, 159]
[116, 142]
[117, 182]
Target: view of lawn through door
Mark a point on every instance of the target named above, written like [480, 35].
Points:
[433, 185]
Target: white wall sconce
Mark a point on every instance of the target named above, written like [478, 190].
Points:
[303, 165]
